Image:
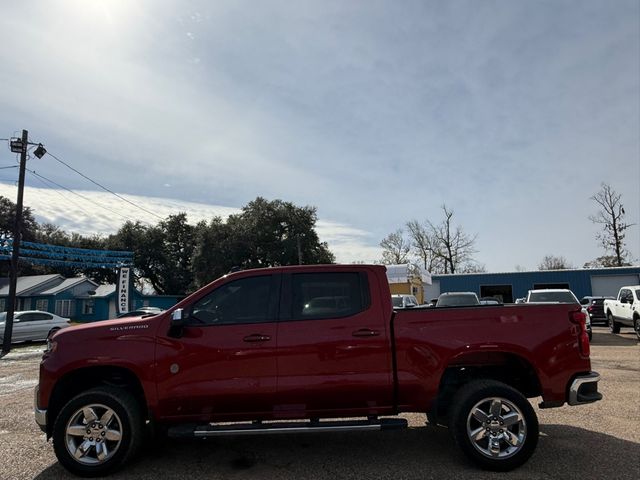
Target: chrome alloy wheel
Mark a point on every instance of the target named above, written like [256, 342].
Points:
[496, 428]
[93, 434]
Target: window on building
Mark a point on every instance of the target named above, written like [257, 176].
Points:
[23, 304]
[503, 293]
[65, 308]
[87, 307]
[42, 304]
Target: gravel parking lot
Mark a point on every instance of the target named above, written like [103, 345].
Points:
[594, 441]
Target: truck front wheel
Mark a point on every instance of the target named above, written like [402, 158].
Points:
[614, 326]
[494, 425]
[97, 431]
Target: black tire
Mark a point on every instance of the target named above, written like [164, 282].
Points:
[473, 397]
[614, 327]
[127, 424]
[52, 332]
[636, 326]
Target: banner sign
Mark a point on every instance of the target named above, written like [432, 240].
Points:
[124, 290]
[55, 255]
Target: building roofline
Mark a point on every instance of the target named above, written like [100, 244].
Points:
[602, 269]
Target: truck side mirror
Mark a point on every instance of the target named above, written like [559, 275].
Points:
[178, 320]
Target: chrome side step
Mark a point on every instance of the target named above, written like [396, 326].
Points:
[267, 428]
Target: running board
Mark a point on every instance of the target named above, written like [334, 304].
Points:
[267, 428]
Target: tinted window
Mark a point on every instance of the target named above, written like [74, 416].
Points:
[241, 301]
[40, 316]
[457, 300]
[327, 295]
[561, 297]
[397, 301]
[638, 294]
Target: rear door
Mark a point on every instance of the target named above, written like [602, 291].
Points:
[333, 345]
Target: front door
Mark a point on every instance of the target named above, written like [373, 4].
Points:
[225, 361]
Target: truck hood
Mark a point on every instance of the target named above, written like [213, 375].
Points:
[109, 329]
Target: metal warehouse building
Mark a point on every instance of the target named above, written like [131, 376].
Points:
[511, 285]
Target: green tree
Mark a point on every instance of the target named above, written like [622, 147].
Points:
[162, 253]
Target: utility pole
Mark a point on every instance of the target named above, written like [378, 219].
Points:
[15, 251]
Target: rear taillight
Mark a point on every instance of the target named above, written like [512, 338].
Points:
[590, 308]
[580, 319]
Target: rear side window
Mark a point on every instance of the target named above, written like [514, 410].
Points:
[328, 295]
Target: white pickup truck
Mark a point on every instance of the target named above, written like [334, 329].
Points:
[624, 311]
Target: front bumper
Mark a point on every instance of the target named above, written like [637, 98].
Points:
[40, 415]
[584, 389]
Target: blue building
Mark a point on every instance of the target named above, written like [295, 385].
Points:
[511, 285]
[79, 298]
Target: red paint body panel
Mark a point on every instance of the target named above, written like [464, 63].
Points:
[428, 340]
[316, 368]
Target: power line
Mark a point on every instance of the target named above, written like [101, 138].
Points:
[10, 166]
[51, 182]
[103, 187]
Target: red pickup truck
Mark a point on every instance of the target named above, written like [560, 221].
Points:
[310, 348]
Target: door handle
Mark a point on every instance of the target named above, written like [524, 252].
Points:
[256, 337]
[366, 332]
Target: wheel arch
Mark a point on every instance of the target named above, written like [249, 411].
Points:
[503, 366]
[86, 378]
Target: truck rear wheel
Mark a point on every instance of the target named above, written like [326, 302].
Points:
[97, 431]
[636, 326]
[614, 326]
[494, 425]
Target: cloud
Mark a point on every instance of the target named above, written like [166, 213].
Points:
[101, 213]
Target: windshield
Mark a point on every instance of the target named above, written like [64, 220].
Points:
[397, 301]
[560, 297]
[458, 300]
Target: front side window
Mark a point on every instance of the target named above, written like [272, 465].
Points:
[238, 302]
[327, 295]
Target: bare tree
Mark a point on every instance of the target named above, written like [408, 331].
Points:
[611, 217]
[396, 248]
[425, 246]
[552, 262]
[454, 247]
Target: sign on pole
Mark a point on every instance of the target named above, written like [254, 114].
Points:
[124, 290]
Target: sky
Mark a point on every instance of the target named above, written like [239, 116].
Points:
[510, 112]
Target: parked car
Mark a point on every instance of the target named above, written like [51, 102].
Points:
[457, 299]
[142, 311]
[32, 325]
[558, 295]
[244, 353]
[490, 301]
[404, 301]
[624, 311]
[595, 308]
